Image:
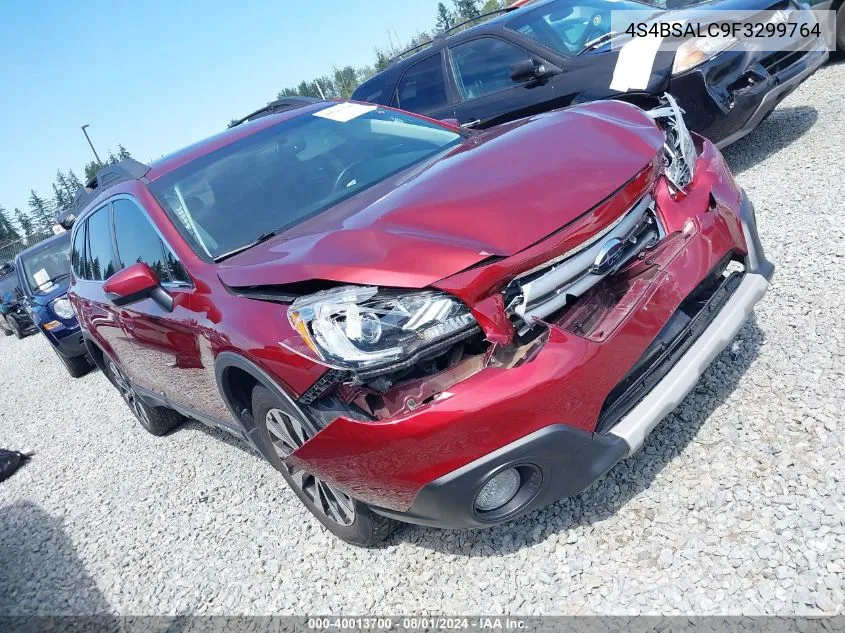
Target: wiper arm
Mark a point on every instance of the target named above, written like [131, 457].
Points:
[258, 240]
[599, 41]
[56, 278]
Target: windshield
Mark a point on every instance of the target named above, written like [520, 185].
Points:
[8, 284]
[278, 177]
[569, 27]
[43, 268]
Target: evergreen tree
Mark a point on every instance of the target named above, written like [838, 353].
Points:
[444, 18]
[123, 153]
[72, 182]
[466, 10]
[8, 232]
[60, 196]
[41, 213]
[112, 158]
[26, 224]
[91, 170]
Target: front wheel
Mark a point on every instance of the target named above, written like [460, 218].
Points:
[284, 429]
[156, 420]
[77, 366]
[15, 326]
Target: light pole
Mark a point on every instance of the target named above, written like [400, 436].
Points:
[99, 162]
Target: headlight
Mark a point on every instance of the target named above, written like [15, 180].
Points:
[697, 50]
[679, 153]
[356, 327]
[62, 309]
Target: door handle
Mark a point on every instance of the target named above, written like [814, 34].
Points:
[471, 123]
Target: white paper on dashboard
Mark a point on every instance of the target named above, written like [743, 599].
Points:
[344, 112]
[42, 278]
[635, 63]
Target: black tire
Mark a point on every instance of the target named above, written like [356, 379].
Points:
[840, 28]
[3, 328]
[361, 526]
[156, 420]
[15, 326]
[77, 366]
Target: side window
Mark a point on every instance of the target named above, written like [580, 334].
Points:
[482, 66]
[137, 241]
[423, 88]
[99, 254]
[371, 91]
[77, 251]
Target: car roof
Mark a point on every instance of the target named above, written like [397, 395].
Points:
[64, 235]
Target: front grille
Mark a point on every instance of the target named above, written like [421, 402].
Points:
[551, 287]
[675, 338]
[777, 62]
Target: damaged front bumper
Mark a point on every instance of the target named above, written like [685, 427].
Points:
[726, 97]
[427, 464]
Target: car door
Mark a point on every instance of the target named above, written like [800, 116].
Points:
[165, 342]
[93, 261]
[423, 89]
[488, 95]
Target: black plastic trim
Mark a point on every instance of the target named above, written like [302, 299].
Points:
[568, 460]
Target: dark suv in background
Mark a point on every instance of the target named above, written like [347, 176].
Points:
[13, 316]
[44, 275]
[554, 53]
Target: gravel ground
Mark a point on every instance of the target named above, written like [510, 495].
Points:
[735, 505]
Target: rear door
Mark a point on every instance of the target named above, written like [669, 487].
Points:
[488, 95]
[423, 89]
[165, 342]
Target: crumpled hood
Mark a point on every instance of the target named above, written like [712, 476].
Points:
[494, 195]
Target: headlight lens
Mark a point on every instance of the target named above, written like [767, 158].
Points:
[697, 50]
[679, 153]
[62, 308]
[358, 327]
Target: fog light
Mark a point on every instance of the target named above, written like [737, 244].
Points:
[498, 491]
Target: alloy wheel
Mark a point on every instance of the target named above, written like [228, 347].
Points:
[128, 394]
[287, 434]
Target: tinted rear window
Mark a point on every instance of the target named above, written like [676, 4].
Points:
[422, 88]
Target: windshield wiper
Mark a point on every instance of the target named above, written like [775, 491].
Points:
[599, 41]
[54, 279]
[258, 240]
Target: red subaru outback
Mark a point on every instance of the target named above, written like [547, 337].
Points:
[415, 322]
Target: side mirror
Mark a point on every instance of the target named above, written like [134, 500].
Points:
[136, 283]
[527, 70]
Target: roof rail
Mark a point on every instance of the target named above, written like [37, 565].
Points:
[122, 170]
[444, 34]
[279, 105]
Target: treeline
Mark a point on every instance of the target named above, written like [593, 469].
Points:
[20, 228]
[341, 82]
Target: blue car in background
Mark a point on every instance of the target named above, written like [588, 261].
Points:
[44, 276]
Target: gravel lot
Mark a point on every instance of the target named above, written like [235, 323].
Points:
[735, 505]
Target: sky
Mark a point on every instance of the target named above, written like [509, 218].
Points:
[156, 75]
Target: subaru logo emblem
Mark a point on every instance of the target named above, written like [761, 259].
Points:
[608, 257]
